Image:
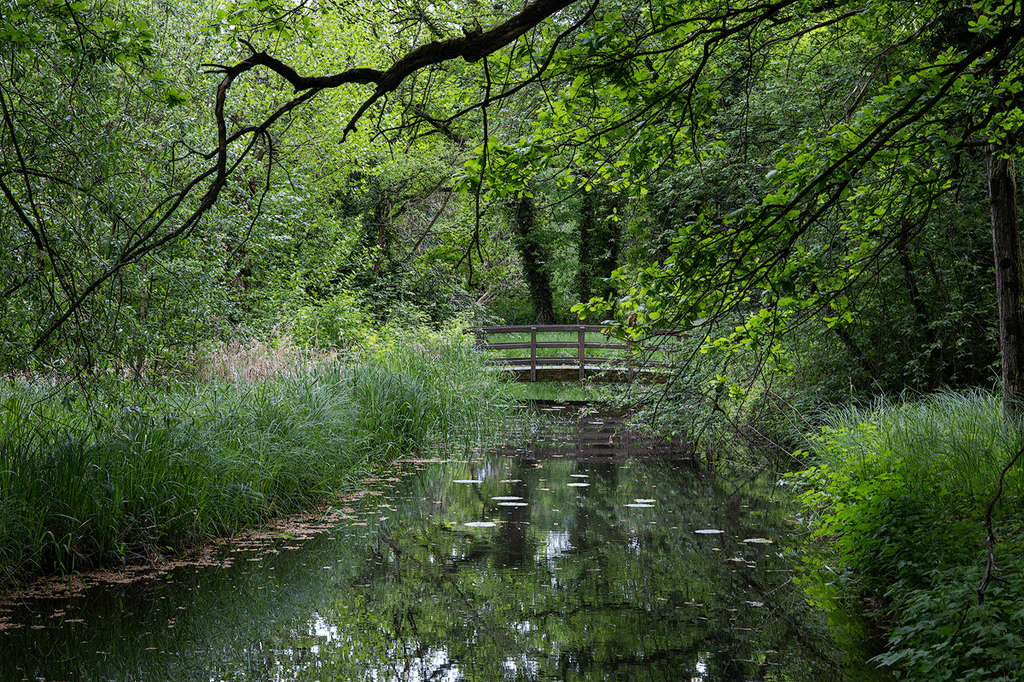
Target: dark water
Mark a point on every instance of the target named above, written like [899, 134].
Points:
[560, 557]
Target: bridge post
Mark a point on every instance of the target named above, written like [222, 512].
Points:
[629, 359]
[582, 351]
[533, 354]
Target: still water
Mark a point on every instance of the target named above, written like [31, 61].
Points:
[573, 552]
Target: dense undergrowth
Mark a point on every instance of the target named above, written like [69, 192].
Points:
[137, 471]
[900, 494]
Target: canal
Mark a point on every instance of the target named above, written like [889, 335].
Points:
[573, 551]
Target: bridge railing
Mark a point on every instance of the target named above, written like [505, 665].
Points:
[625, 360]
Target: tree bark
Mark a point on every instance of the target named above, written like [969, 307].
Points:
[600, 241]
[534, 260]
[585, 226]
[1002, 192]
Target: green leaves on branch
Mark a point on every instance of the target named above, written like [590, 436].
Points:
[97, 31]
[836, 197]
[269, 19]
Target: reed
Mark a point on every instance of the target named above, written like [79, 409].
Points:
[903, 492]
[951, 444]
[138, 471]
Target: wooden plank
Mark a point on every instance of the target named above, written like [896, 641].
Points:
[533, 354]
[505, 345]
[581, 353]
[523, 329]
[590, 329]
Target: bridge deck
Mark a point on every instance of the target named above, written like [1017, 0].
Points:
[627, 367]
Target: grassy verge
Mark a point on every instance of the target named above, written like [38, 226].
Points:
[901, 494]
[139, 471]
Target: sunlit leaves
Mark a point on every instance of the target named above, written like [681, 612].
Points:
[93, 30]
[840, 185]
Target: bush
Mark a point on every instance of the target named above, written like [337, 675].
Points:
[339, 322]
[901, 492]
[945, 634]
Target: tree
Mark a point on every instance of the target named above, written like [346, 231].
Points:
[534, 260]
[113, 43]
[839, 193]
[624, 95]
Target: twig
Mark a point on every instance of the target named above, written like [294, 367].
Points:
[990, 536]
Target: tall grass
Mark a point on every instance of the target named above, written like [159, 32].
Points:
[902, 492]
[951, 444]
[143, 472]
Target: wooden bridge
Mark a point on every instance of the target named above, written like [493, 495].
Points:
[626, 366]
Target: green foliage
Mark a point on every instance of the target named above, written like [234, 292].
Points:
[945, 634]
[136, 472]
[339, 322]
[854, 221]
[901, 494]
[949, 444]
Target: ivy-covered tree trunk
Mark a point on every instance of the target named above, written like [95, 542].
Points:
[600, 240]
[534, 259]
[1002, 192]
[585, 228]
[606, 247]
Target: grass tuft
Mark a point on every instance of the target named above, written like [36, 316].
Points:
[901, 494]
[953, 444]
[142, 472]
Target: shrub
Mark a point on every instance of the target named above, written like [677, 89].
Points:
[901, 492]
[338, 322]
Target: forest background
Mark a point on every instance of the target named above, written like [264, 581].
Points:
[814, 191]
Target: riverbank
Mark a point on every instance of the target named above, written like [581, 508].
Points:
[903, 500]
[139, 472]
[548, 549]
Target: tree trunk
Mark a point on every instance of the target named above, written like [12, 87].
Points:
[586, 230]
[607, 243]
[534, 260]
[1002, 193]
[600, 240]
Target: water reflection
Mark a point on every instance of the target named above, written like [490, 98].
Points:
[438, 578]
